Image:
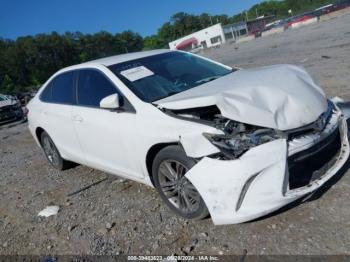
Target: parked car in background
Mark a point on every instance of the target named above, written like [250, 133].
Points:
[237, 144]
[10, 109]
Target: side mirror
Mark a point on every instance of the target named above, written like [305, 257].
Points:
[110, 102]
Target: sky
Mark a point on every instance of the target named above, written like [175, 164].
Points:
[30, 17]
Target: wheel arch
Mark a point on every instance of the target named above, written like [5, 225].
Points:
[151, 154]
[38, 131]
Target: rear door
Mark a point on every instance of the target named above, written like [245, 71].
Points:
[56, 115]
[98, 129]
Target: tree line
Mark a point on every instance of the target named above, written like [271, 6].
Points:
[27, 62]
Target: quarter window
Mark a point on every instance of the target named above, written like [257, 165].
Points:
[93, 86]
[60, 90]
[46, 94]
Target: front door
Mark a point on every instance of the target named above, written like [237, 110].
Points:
[97, 128]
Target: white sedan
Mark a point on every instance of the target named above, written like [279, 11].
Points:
[235, 144]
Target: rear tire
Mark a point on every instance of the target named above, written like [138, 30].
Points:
[52, 154]
[168, 171]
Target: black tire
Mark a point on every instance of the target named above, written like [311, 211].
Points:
[52, 154]
[184, 200]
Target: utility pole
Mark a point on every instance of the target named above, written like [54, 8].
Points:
[256, 12]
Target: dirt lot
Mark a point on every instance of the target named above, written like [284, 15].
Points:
[123, 217]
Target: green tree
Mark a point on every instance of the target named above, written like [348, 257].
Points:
[152, 42]
[7, 85]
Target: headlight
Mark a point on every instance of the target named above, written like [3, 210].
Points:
[234, 144]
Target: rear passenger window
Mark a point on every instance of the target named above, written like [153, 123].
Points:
[63, 91]
[93, 86]
[46, 94]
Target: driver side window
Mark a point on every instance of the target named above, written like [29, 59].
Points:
[93, 86]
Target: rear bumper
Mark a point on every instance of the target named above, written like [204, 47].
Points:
[258, 183]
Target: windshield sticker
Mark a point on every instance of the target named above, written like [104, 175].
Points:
[136, 73]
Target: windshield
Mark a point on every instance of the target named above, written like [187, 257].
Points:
[155, 77]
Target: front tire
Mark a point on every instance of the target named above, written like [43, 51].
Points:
[52, 154]
[168, 172]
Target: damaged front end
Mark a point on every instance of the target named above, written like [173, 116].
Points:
[238, 138]
[257, 170]
[235, 138]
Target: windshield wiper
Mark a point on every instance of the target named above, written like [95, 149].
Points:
[167, 95]
[173, 93]
[206, 80]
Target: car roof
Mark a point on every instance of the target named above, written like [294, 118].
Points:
[111, 60]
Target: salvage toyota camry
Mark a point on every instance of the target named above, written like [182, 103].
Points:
[236, 144]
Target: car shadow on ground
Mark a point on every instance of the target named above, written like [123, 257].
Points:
[310, 197]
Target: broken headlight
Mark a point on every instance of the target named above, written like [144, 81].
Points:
[239, 138]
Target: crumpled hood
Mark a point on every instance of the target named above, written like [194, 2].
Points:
[282, 97]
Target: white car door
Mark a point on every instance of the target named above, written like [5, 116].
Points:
[56, 115]
[97, 128]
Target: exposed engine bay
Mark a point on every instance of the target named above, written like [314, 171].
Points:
[237, 138]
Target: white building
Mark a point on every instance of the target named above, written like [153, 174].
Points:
[209, 37]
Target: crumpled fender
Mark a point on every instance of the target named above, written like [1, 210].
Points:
[196, 145]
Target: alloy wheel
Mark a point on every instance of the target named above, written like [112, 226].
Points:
[176, 187]
[50, 151]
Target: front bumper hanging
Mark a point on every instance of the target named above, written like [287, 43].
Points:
[265, 178]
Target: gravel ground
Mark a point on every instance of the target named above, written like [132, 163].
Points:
[123, 217]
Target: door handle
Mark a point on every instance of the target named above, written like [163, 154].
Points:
[77, 118]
